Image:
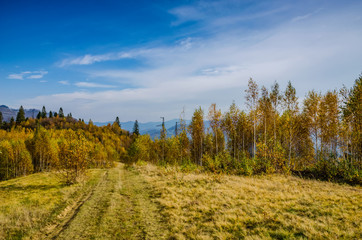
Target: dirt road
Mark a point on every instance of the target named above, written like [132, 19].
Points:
[120, 206]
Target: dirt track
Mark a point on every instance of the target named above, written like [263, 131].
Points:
[119, 206]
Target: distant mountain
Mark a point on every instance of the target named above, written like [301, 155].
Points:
[152, 128]
[9, 112]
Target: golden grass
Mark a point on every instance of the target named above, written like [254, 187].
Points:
[148, 202]
[208, 206]
[28, 204]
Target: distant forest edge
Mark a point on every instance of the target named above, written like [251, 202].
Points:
[151, 128]
[320, 139]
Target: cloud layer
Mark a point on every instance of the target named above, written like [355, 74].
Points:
[212, 60]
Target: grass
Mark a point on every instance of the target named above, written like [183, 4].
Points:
[121, 207]
[209, 206]
[149, 202]
[28, 204]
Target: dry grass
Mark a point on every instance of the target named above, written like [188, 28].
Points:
[202, 206]
[148, 202]
[29, 204]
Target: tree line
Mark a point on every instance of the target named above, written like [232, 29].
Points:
[63, 145]
[319, 137]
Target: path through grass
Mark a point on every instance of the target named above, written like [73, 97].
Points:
[149, 202]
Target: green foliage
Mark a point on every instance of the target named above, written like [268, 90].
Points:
[20, 117]
[136, 130]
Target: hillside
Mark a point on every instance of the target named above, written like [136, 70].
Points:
[149, 202]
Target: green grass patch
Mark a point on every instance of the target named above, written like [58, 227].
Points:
[29, 203]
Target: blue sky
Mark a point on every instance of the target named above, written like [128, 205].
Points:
[146, 59]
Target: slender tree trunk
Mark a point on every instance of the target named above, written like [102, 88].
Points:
[216, 140]
[290, 146]
[254, 137]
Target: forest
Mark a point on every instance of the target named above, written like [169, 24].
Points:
[59, 144]
[320, 137]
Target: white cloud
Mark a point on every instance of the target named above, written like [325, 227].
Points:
[64, 82]
[28, 75]
[16, 76]
[90, 59]
[93, 85]
[184, 14]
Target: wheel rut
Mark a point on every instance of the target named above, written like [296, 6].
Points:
[70, 212]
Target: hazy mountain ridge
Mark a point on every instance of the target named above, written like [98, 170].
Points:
[8, 113]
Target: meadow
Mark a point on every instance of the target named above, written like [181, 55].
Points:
[144, 201]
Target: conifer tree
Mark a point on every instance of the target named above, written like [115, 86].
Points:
[1, 119]
[43, 112]
[50, 114]
[12, 122]
[61, 113]
[136, 130]
[20, 117]
[38, 116]
[118, 122]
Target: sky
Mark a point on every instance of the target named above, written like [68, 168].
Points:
[149, 59]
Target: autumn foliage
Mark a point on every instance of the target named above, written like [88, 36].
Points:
[62, 145]
[319, 137]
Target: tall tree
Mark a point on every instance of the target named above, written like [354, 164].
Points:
[214, 117]
[183, 139]
[265, 109]
[50, 114]
[352, 115]
[290, 101]
[229, 125]
[12, 122]
[163, 135]
[20, 117]
[118, 122]
[275, 99]
[61, 113]
[252, 96]
[196, 129]
[329, 122]
[311, 112]
[136, 130]
[43, 112]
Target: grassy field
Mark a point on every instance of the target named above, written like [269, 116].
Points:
[148, 202]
